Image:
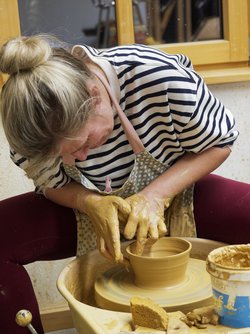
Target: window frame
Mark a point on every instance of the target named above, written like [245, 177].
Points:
[218, 61]
[223, 60]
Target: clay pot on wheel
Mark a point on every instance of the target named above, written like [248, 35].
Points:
[161, 265]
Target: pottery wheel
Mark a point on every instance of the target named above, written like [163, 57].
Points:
[115, 287]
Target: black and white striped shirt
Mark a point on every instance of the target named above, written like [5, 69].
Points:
[168, 104]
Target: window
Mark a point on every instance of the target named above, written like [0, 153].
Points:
[220, 60]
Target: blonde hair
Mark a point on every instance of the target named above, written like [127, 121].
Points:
[45, 97]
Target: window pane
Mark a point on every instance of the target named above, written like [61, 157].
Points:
[173, 21]
[76, 21]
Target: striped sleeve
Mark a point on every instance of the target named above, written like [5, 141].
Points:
[211, 123]
[50, 176]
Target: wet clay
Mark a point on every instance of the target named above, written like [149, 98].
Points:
[103, 212]
[115, 287]
[234, 257]
[147, 214]
[164, 273]
[162, 264]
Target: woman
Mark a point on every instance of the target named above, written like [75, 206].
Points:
[120, 136]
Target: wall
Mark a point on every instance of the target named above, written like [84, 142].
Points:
[13, 181]
[237, 98]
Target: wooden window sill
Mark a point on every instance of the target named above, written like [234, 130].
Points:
[225, 75]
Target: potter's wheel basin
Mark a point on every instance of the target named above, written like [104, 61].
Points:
[89, 267]
[76, 284]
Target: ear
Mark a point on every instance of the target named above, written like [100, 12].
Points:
[94, 92]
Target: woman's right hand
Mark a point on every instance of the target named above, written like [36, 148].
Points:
[104, 212]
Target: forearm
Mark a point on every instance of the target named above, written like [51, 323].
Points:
[189, 169]
[72, 195]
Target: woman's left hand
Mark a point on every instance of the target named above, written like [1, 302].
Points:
[146, 220]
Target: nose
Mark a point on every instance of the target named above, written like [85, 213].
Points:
[81, 154]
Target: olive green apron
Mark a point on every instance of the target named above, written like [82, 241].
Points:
[179, 217]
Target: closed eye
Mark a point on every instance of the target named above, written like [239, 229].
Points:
[86, 143]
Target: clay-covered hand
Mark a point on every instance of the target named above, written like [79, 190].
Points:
[104, 212]
[146, 220]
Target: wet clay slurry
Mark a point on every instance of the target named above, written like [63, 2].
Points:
[237, 256]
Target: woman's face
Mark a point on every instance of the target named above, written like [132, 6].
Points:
[95, 131]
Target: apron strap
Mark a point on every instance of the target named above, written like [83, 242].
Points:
[128, 128]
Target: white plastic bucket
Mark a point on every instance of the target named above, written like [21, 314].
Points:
[229, 268]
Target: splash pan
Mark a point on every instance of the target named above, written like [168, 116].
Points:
[115, 287]
[76, 284]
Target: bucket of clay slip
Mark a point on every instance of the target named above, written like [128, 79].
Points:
[229, 268]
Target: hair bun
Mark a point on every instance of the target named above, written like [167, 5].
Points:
[23, 53]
